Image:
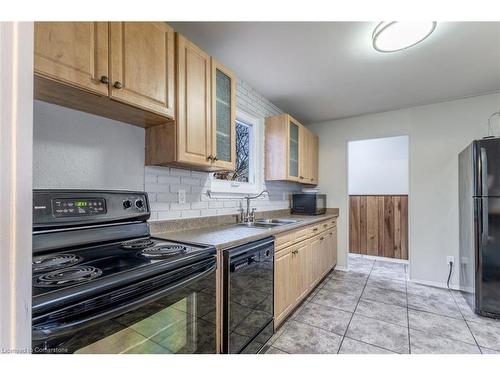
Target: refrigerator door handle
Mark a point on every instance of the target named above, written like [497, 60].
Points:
[484, 172]
[483, 213]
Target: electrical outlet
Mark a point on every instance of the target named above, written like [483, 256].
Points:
[182, 196]
[450, 259]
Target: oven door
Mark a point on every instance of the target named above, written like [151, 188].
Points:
[170, 313]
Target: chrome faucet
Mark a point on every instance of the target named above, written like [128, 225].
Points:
[249, 216]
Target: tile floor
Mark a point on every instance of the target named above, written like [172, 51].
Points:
[372, 308]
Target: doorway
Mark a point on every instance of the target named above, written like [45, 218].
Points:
[378, 197]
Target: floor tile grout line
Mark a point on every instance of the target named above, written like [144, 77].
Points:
[367, 343]
[355, 307]
[442, 336]
[466, 323]
[435, 313]
[331, 307]
[408, 315]
[313, 326]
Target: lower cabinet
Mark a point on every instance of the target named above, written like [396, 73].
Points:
[283, 281]
[300, 265]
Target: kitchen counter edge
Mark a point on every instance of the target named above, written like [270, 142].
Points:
[202, 236]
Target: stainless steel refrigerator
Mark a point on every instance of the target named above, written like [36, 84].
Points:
[479, 211]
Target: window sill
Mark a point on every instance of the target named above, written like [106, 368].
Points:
[224, 189]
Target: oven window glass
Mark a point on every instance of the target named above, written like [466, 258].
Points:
[182, 322]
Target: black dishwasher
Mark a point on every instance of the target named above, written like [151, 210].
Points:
[248, 294]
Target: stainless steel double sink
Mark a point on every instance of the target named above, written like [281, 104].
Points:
[269, 223]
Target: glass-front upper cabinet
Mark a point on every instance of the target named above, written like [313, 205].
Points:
[223, 116]
[293, 155]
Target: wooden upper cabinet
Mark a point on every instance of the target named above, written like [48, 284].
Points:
[294, 147]
[314, 158]
[291, 151]
[204, 135]
[74, 53]
[194, 106]
[82, 65]
[223, 116]
[142, 65]
[282, 148]
[305, 162]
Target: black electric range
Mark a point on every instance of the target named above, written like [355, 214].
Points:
[97, 274]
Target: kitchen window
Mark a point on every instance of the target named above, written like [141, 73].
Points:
[248, 175]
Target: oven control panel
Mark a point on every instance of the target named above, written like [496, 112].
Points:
[78, 207]
[55, 208]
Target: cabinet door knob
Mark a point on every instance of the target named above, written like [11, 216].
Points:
[117, 85]
[104, 79]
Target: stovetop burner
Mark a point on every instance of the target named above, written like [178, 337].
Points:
[68, 276]
[137, 244]
[45, 263]
[163, 251]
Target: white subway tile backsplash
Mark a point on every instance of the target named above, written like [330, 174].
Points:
[228, 204]
[215, 204]
[160, 206]
[199, 205]
[180, 172]
[190, 213]
[190, 181]
[209, 212]
[150, 178]
[180, 206]
[166, 197]
[167, 180]
[163, 183]
[166, 215]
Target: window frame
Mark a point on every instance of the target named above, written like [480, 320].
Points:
[219, 187]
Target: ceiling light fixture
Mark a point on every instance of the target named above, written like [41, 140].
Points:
[396, 36]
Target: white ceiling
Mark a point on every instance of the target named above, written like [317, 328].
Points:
[321, 71]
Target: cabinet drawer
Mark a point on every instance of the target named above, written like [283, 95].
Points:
[315, 229]
[303, 234]
[324, 226]
[284, 240]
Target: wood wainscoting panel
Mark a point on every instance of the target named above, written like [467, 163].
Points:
[378, 225]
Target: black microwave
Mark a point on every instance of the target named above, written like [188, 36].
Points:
[309, 204]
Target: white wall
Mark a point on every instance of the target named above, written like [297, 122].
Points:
[437, 133]
[77, 150]
[16, 130]
[378, 166]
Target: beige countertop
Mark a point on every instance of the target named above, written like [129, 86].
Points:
[231, 235]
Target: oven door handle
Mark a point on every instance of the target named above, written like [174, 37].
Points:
[42, 331]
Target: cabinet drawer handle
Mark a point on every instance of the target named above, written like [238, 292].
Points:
[117, 85]
[321, 238]
[301, 177]
[215, 158]
[315, 229]
[210, 157]
[104, 79]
